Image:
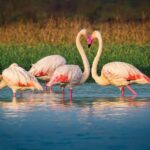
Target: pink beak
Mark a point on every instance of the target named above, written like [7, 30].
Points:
[89, 41]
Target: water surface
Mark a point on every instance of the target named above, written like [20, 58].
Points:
[97, 118]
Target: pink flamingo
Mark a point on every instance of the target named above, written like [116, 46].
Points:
[72, 75]
[45, 67]
[17, 78]
[119, 74]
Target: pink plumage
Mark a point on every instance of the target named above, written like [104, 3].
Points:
[122, 74]
[17, 78]
[67, 74]
[45, 67]
[72, 75]
[119, 74]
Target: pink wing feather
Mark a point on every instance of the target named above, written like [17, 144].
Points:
[47, 65]
[123, 71]
[17, 76]
[69, 74]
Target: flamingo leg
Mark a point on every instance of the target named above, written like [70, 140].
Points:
[122, 91]
[46, 88]
[70, 94]
[14, 94]
[20, 93]
[63, 92]
[131, 90]
[51, 89]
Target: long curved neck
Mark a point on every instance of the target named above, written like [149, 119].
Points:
[86, 65]
[96, 60]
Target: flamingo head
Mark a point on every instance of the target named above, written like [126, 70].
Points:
[14, 65]
[89, 40]
[95, 34]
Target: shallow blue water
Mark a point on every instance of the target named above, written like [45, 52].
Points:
[97, 118]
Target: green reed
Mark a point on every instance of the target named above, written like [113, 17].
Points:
[25, 55]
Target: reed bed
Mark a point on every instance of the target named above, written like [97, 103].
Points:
[25, 43]
[25, 55]
[63, 31]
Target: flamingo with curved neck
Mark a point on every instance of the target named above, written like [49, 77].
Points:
[72, 75]
[119, 74]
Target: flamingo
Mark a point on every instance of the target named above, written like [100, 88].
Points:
[119, 74]
[72, 75]
[16, 78]
[44, 68]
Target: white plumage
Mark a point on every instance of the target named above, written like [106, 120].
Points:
[67, 74]
[72, 75]
[17, 78]
[119, 74]
[45, 67]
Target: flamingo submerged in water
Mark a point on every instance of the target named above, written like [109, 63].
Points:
[17, 78]
[119, 74]
[45, 67]
[72, 75]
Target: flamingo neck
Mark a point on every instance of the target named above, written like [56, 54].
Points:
[86, 65]
[96, 60]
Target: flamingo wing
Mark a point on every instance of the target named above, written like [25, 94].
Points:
[47, 65]
[120, 73]
[17, 76]
[67, 74]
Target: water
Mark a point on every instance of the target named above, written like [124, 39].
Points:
[97, 118]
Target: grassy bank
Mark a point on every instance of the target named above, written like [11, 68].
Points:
[25, 55]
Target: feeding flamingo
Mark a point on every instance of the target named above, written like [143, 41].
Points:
[119, 74]
[17, 78]
[44, 68]
[72, 75]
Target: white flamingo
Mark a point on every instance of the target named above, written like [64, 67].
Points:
[119, 74]
[17, 78]
[72, 75]
[44, 68]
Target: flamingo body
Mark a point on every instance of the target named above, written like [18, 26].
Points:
[119, 74]
[17, 78]
[123, 74]
[66, 75]
[45, 67]
[72, 75]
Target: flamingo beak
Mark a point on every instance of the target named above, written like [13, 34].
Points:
[89, 41]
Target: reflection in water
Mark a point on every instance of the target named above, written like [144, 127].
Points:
[113, 108]
[18, 107]
[106, 108]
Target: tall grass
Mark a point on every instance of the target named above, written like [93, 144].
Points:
[63, 31]
[25, 43]
[25, 55]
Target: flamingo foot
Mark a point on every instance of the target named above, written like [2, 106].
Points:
[46, 88]
[51, 89]
[20, 94]
[131, 90]
[14, 95]
[70, 94]
[63, 92]
[122, 90]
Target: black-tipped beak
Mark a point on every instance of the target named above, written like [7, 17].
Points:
[89, 45]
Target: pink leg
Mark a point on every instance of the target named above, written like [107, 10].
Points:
[51, 89]
[20, 93]
[70, 94]
[63, 92]
[14, 94]
[122, 90]
[131, 90]
[46, 86]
